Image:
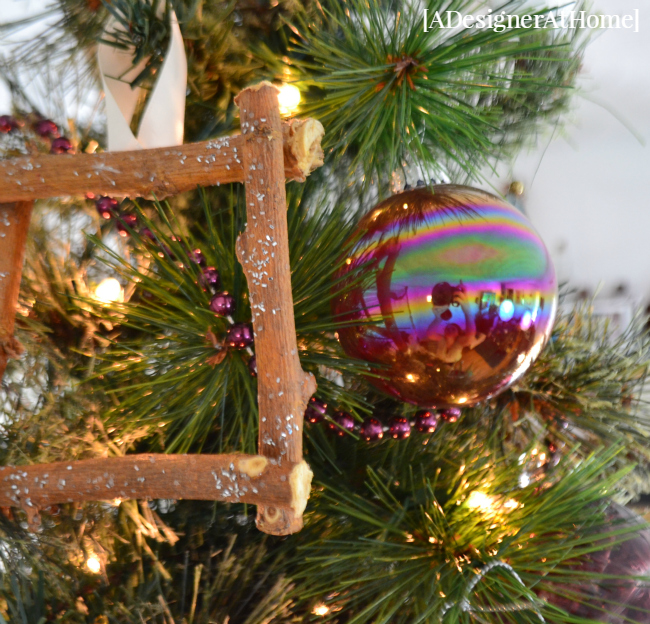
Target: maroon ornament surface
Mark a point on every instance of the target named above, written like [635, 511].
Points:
[372, 430]
[62, 146]
[448, 294]
[399, 428]
[344, 423]
[240, 335]
[613, 598]
[252, 366]
[223, 304]
[316, 410]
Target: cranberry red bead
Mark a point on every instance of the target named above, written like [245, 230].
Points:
[316, 410]
[426, 421]
[372, 430]
[107, 207]
[450, 415]
[125, 223]
[8, 123]
[145, 232]
[240, 335]
[343, 422]
[399, 428]
[62, 146]
[47, 129]
[223, 304]
[209, 278]
[197, 257]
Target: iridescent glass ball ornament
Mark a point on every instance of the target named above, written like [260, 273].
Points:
[448, 293]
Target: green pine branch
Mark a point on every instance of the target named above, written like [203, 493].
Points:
[387, 91]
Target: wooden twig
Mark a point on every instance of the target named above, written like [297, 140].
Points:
[263, 156]
[283, 389]
[14, 224]
[233, 478]
[157, 172]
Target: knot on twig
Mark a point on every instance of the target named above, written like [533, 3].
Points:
[406, 66]
[10, 347]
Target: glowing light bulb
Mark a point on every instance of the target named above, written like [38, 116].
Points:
[479, 500]
[93, 564]
[288, 98]
[321, 609]
[109, 290]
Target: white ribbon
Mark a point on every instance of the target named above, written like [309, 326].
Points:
[162, 122]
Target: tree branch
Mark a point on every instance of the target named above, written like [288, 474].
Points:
[159, 172]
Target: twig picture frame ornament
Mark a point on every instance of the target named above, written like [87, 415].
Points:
[266, 153]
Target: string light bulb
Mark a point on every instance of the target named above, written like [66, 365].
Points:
[109, 290]
[321, 609]
[93, 564]
[288, 98]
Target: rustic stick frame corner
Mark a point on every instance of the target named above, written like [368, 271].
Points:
[267, 152]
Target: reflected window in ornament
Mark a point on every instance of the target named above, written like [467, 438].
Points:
[506, 310]
[526, 320]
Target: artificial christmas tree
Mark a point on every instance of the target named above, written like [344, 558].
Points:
[501, 511]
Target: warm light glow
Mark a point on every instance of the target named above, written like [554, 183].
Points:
[93, 564]
[462, 400]
[490, 504]
[321, 609]
[288, 98]
[109, 290]
[405, 206]
[411, 377]
[429, 298]
[479, 500]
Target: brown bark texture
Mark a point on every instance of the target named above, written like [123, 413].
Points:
[159, 172]
[265, 154]
[283, 389]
